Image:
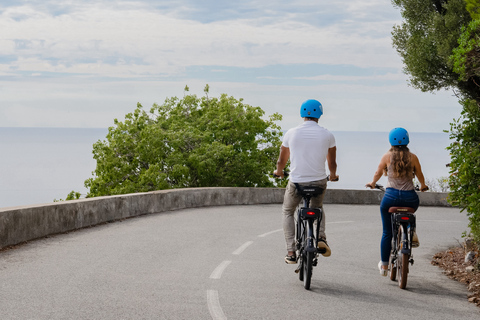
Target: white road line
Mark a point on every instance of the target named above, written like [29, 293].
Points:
[214, 305]
[269, 233]
[217, 273]
[242, 248]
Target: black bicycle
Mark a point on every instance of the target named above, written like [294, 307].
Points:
[307, 235]
[307, 231]
[403, 227]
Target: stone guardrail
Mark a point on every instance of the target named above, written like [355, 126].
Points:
[20, 224]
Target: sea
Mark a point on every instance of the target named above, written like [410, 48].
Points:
[42, 165]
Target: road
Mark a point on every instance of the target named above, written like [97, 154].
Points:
[227, 262]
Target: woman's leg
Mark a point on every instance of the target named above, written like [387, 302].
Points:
[386, 243]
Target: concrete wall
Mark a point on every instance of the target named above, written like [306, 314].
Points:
[20, 224]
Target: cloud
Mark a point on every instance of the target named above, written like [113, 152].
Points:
[84, 63]
[167, 44]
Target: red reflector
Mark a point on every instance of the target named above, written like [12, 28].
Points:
[405, 218]
[310, 213]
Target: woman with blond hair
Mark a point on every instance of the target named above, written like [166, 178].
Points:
[400, 166]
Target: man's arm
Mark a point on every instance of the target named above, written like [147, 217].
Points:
[282, 161]
[332, 163]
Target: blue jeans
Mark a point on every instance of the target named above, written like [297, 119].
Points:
[393, 198]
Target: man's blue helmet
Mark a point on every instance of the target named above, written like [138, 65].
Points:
[311, 109]
[398, 137]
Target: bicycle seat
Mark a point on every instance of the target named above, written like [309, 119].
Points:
[401, 210]
[309, 190]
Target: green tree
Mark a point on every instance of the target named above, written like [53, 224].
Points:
[188, 142]
[439, 44]
[425, 41]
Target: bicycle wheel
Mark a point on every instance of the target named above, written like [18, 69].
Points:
[402, 263]
[308, 267]
[393, 268]
[301, 261]
[394, 256]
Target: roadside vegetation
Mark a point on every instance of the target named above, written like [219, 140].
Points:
[186, 143]
[439, 42]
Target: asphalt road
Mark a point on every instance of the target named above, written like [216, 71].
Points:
[227, 262]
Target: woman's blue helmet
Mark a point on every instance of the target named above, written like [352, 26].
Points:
[398, 137]
[311, 109]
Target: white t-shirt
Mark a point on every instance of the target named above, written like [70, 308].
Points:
[308, 144]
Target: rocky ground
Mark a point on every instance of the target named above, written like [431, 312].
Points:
[453, 263]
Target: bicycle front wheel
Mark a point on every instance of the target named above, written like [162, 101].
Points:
[308, 268]
[396, 241]
[402, 261]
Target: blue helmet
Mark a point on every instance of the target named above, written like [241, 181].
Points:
[311, 109]
[398, 137]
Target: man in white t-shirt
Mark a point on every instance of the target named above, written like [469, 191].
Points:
[308, 147]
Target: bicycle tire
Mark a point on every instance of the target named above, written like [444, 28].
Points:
[308, 268]
[393, 269]
[402, 263]
[394, 254]
[300, 268]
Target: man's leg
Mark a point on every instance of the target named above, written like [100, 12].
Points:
[317, 202]
[290, 203]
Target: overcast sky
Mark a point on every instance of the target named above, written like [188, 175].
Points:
[83, 63]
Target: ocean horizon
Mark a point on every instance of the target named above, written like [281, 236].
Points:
[40, 165]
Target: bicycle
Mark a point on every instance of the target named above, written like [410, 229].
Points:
[403, 226]
[306, 237]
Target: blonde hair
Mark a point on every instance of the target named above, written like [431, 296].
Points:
[400, 161]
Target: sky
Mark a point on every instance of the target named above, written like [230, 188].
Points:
[84, 63]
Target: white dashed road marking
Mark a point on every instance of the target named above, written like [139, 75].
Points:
[217, 273]
[214, 305]
[242, 248]
[269, 233]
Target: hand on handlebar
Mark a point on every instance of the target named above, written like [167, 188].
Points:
[282, 174]
[335, 178]
[422, 188]
[370, 185]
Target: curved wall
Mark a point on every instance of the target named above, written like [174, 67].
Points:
[20, 224]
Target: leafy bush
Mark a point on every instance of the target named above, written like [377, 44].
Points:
[188, 142]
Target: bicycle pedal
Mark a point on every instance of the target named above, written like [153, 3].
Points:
[322, 251]
[314, 263]
[411, 261]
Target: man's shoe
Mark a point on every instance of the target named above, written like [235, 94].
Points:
[415, 242]
[323, 248]
[291, 259]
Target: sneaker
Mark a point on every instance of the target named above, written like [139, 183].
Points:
[291, 259]
[415, 242]
[323, 248]
[383, 272]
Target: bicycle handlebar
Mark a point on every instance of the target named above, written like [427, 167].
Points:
[380, 187]
[285, 174]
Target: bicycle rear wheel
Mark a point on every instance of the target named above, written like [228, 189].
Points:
[402, 262]
[308, 268]
[300, 267]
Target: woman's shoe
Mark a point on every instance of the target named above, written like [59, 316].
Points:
[415, 242]
[383, 272]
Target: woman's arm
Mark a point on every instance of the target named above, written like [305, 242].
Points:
[417, 169]
[381, 167]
